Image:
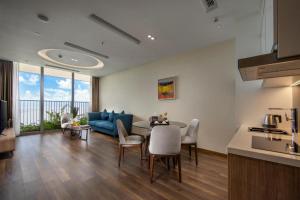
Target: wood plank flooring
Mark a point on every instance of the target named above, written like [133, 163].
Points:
[54, 166]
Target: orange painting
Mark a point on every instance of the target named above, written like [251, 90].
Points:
[166, 88]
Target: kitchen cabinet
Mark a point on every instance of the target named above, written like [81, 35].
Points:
[288, 29]
[251, 179]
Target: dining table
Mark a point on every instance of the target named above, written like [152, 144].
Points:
[146, 125]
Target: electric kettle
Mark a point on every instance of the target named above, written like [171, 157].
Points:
[270, 121]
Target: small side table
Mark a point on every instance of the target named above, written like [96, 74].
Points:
[80, 129]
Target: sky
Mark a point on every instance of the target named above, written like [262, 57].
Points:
[55, 88]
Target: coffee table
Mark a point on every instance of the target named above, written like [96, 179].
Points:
[77, 130]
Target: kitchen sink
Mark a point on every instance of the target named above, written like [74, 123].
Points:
[275, 144]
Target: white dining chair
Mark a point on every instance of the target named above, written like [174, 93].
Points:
[127, 141]
[165, 142]
[190, 138]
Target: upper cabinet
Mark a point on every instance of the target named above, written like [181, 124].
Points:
[279, 49]
[280, 30]
[287, 14]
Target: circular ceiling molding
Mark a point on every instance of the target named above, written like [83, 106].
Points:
[70, 59]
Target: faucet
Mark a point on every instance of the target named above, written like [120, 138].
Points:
[294, 126]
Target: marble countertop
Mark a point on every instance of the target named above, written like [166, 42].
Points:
[241, 144]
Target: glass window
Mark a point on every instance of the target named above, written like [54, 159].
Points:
[82, 93]
[57, 96]
[29, 97]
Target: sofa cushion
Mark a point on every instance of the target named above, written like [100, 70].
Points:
[111, 116]
[104, 124]
[104, 115]
[92, 123]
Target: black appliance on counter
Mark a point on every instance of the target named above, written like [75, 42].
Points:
[267, 130]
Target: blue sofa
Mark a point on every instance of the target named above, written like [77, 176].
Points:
[105, 122]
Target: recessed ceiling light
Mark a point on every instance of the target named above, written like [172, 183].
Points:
[75, 60]
[151, 37]
[43, 18]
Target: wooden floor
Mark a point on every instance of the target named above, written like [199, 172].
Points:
[54, 166]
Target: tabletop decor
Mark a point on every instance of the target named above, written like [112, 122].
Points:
[161, 119]
[166, 88]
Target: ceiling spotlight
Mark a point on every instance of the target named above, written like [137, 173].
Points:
[75, 60]
[43, 18]
[151, 37]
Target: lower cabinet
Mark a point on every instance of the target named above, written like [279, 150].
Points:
[253, 179]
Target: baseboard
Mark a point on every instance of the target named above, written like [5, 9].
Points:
[206, 151]
[209, 152]
[40, 132]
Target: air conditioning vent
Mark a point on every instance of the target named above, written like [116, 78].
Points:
[209, 5]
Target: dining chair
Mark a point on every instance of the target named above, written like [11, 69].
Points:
[165, 142]
[127, 141]
[190, 138]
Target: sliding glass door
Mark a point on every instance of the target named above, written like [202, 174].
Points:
[82, 93]
[57, 96]
[29, 97]
[46, 93]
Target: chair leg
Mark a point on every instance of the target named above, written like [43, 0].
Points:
[196, 154]
[190, 150]
[63, 131]
[123, 152]
[179, 167]
[174, 162]
[151, 168]
[141, 149]
[149, 157]
[146, 146]
[120, 154]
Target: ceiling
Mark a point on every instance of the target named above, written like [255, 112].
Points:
[177, 25]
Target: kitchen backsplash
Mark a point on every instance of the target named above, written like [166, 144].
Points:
[296, 101]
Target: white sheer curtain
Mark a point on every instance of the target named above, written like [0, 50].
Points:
[16, 107]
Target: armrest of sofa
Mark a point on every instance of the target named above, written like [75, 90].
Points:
[127, 121]
[94, 116]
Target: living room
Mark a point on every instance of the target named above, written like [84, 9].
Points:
[149, 100]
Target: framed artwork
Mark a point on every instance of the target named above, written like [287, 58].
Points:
[166, 88]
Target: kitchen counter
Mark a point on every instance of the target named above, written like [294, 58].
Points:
[241, 144]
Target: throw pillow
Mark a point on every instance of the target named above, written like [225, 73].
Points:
[123, 112]
[111, 116]
[104, 115]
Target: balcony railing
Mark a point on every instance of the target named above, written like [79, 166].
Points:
[30, 110]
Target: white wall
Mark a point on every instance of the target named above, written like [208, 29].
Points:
[206, 90]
